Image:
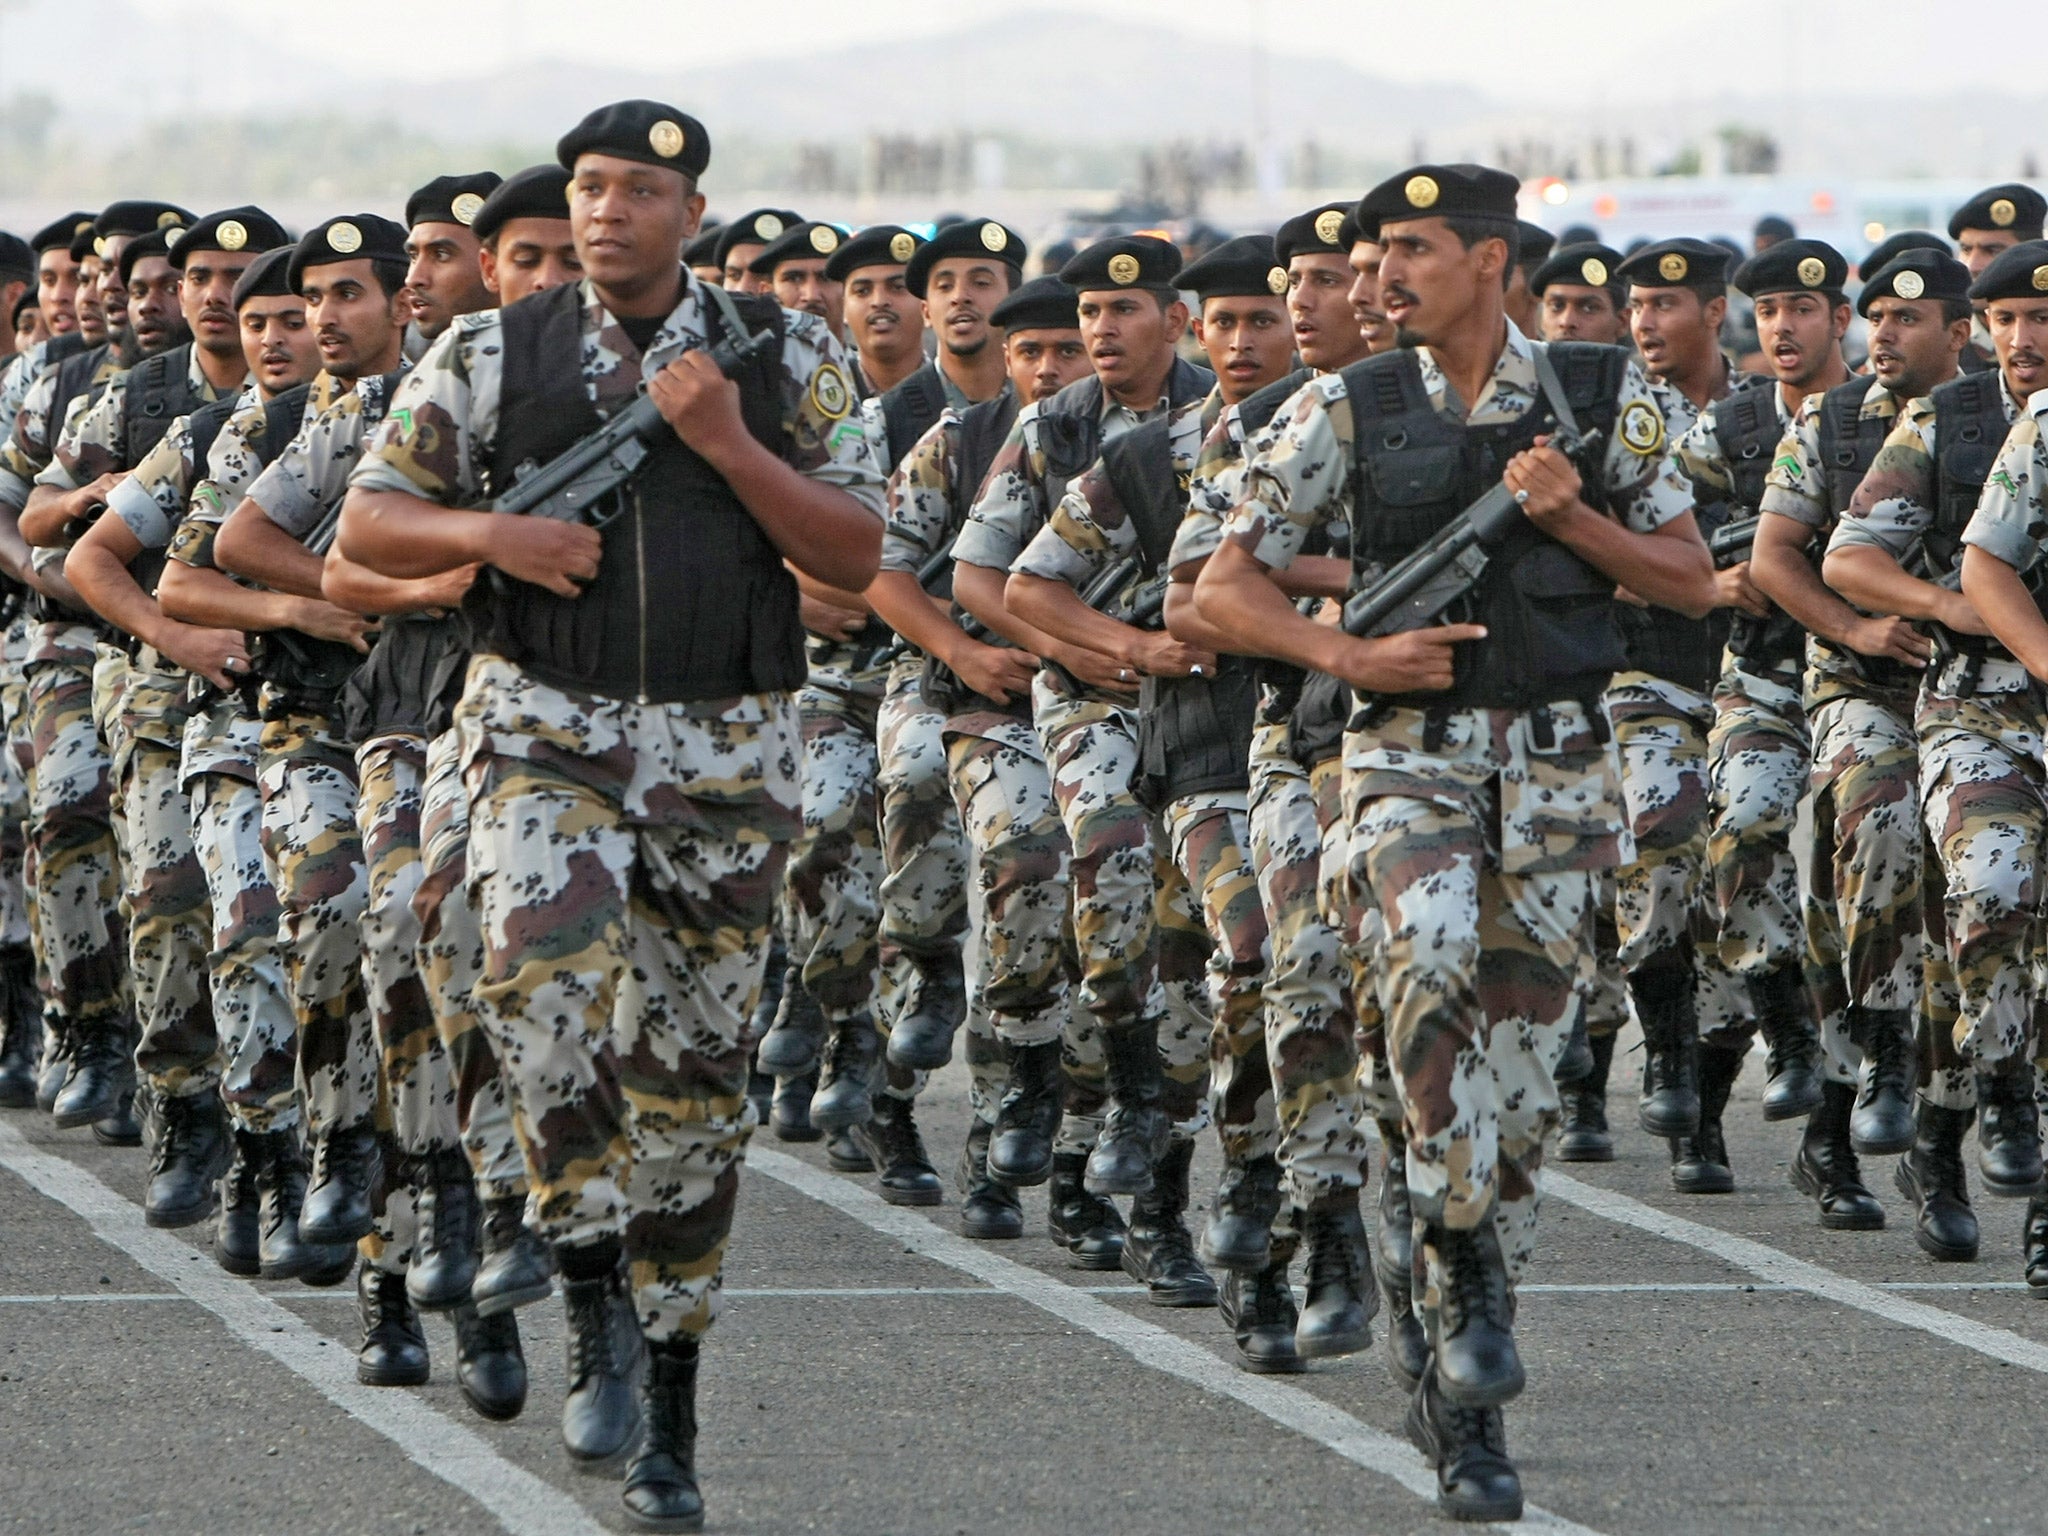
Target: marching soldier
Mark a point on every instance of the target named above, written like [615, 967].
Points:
[1989, 224]
[745, 238]
[1581, 295]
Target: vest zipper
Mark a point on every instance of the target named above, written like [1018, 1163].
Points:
[640, 575]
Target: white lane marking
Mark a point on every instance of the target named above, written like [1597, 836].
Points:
[522, 1503]
[1771, 1264]
[1290, 1407]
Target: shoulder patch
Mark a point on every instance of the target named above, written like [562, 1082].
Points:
[1642, 428]
[829, 394]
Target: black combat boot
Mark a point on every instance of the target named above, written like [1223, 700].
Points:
[989, 1212]
[605, 1356]
[761, 1082]
[1087, 1226]
[796, 1036]
[1663, 990]
[1784, 1017]
[789, 1115]
[2008, 1130]
[1020, 1151]
[347, 1165]
[21, 1017]
[1407, 1339]
[1933, 1178]
[1473, 1340]
[896, 1148]
[450, 1222]
[281, 1190]
[1699, 1162]
[1138, 1126]
[1585, 1137]
[192, 1151]
[921, 1039]
[845, 1153]
[1239, 1235]
[1576, 1060]
[1394, 1250]
[518, 1269]
[102, 1069]
[1475, 1480]
[2034, 1245]
[490, 1367]
[1258, 1308]
[1882, 1122]
[845, 1092]
[394, 1347]
[1158, 1248]
[122, 1125]
[53, 1067]
[1825, 1165]
[238, 1238]
[1336, 1317]
[660, 1491]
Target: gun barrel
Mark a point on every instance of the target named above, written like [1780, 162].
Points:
[641, 420]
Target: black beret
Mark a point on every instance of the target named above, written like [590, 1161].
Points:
[1533, 244]
[1588, 265]
[1242, 268]
[1318, 231]
[1057, 255]
[647, 131]
[1776, 225]
[703, 250]
[1794, 266]
[757, 228]
[1680, 263]
[15, 256]
[2010, 205]
[155, 243]
[538, 192]
[59, 233]
[1043, 304]
[246, 228]
[879, 245]
[85, 243]
[1429, 191]
[1579, 234]
[982, 238]
[138, 216]
[267, 277]
[451, 199]
[348, 237]
[2020, 272]
[808, 241]
[1915, 273]
[1123, 261]
[1905, 240]
[27, 301]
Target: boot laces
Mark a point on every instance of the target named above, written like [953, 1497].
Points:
[846, 1049]
[1333, 1254]
[176, 1117]
[1892, 1063]
[897, 1134]
[593, 1348]
[1469, 1281]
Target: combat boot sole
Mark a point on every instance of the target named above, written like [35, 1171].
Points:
[1908, 1183]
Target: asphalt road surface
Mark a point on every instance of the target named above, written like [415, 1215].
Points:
[1696, 1364]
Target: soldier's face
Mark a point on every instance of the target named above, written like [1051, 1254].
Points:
[29, 329]
[2019, 333]
[91, 309]
[1248, 342]
[803, 285]
[57, 291]
[1374, 328]
[1130, 335]
[1572, 312]
[1673, 328]
[630, 221]
[153, 303]
[113, 295]
[1912, 348]
[880, 313]
[529, 255]
[1978, 248]
[278, 343]
[1429, 281]
[207, 295]
[1319, 310]
[1044, 362]
[959, 295]
[1799, 334]
[355, 322]
[443, 277]
[737, 278]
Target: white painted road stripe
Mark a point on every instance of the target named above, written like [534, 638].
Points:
[522, 1503]
[1768, 1263]
[1290, 1407]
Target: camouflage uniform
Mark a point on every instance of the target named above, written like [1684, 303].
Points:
[1864, 915]
[661, 830]
[1478, 834]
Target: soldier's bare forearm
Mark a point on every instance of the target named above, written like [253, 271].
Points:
[192, 595]
[979, 589]
[250, 544]
[1870, 578]
[2001, 598]
[1238, 597]
[408, 537]
[1783, 572]
[1056, 608]
[911, 611]
[48, 510]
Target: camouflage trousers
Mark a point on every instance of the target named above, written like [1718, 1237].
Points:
[71, 830]
[307, 778]
[1361, 943]
[1308, 1053]
[451, 961]
[1022, 965]
[1144, 952]
[1758, 754]
[623, 960]
[1864, 915]
[835, 869]
[1982, 792]
[17, 917]
[1479, 836]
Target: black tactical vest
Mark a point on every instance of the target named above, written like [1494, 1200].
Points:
[1849, 441]
[159, 391]
[74, 378]
[1747, 427]
[1552, 634]
[691, 599]
[1970, 427]
[1070, 427]
[910, 410]
[984, 428]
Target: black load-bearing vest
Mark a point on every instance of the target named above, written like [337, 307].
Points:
[75, 365]
[1551, 628]
[1747, 427]
[983, 429]
[1849, 441]
[691, 599]
[1970, 427]
[910, 410]
[159, 390]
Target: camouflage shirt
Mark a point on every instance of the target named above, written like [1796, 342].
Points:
[91, 444]
[1212, 489]
[305, 483]
[152, 500]
[1895, 504]
[29, 448]
[1697, 455]
[2011, 520]
[232, 465]
[1797, 486]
